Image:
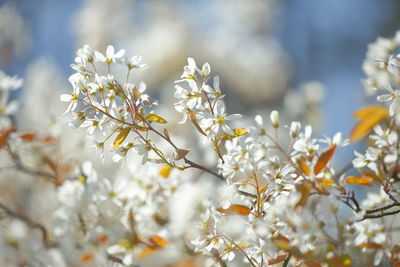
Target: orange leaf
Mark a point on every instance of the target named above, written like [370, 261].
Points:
[165, 171]
[370, 245]
[278, 259]
[28, 137]
[323, 159]
[235, 210]
[146, 252]
[366, 181]
[367, 173]
[325, 182]
[369, 117]
[4, 136]
[158, 241]
[303, 167]
[305, 193]
[86, 257]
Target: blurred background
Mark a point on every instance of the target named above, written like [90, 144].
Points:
[266, 51]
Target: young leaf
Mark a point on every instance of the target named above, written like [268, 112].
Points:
[165, 171]
[303, 167]
[236, 133]
[195, 124]
[368, 173]
[146, 252]
[4, 136]
[325, 182]
[155, 118]
[86, 257]
[158, 241]
[366, 181]
[369, 117]
[235, 210]
[323, 159]
[279, 258]
[123, 133]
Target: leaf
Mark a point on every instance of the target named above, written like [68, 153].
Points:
[368, 173]
[195, 123]
[279, 258]
[370, 245]
[86, 257]
[123, 133]
[305, 193]
[326, 182]
[236, 133]
[235, 210]
[4, 136]
[146, 252]
[369, 117]
[155, 118]
[363, 180]
[323, 159]
[28, 137]
[165, 171]
[303, 167]
[158, 241]
[181, 153]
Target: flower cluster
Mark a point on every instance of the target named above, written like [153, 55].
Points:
[273, 194]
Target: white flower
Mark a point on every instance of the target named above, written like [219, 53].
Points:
[133, 63]
[220, 118]
[110, 56]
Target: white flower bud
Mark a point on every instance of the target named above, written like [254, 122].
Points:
[275, 118]
[206, 70]
[295, 129]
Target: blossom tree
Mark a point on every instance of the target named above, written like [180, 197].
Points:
[259, 192]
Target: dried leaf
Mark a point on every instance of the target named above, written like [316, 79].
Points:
[363, 180]
[369, 117]
[165, 171]
[323, 159]
[181, 153]
[158, 241]
[235, 210]
[123, 133]
[195, 123]
[155, 118]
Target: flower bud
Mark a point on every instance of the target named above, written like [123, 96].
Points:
[206, 70]
[275, 118]
[295, 129]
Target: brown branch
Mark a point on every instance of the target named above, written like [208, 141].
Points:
[31, 223]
